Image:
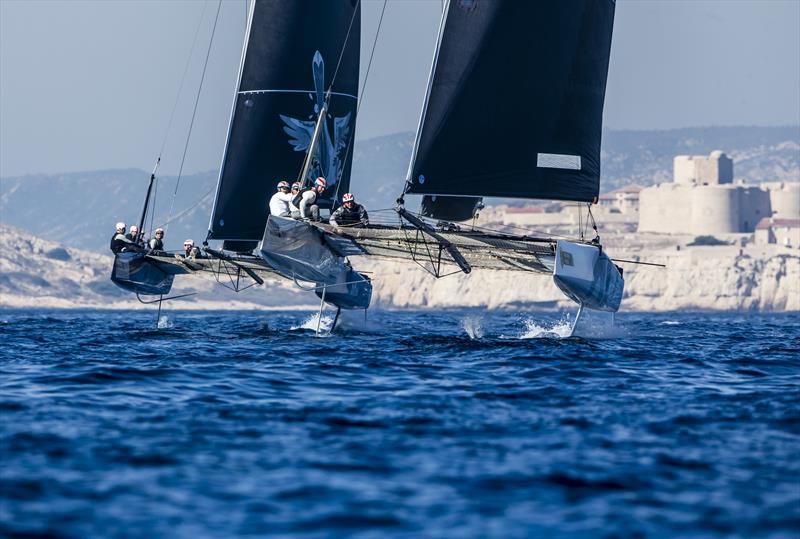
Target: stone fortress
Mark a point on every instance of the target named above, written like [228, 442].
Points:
[703, 199]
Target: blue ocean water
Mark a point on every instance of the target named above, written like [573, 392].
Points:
[413, 424]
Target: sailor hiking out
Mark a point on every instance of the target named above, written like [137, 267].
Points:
[350, 214]
[305, 200]
[280, 203]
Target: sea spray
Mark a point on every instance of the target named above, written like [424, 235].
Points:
[550, 329]
[312, 322]
[164, 322]
[473, 326]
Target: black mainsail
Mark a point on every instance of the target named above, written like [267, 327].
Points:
[295, 52]
[515, 103]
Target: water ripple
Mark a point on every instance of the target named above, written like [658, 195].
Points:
[435, 424]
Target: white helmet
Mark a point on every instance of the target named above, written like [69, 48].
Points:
[121, 225]
[348, 197]
[188, 243]
[283, 185]
[134, 229]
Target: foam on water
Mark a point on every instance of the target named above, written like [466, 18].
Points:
[550, 329]
[164, 322]
[311, 322]
[473, 326]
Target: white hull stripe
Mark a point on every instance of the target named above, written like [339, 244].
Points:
[244, 92]
[557, 160]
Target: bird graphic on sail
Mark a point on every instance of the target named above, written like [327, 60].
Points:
[329, 158]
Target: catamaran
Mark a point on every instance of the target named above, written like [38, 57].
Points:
[513, 109]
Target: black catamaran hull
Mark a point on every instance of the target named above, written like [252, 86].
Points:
[298, 251]
[135, 272]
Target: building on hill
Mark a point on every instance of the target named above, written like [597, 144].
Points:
[702, 200]
[622, 200]
[784, 232]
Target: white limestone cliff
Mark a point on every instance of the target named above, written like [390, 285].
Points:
[40, 273]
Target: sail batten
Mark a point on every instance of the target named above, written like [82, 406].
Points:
[514, 107]
[300, 56]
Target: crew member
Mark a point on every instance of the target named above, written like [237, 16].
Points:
[280, 201]
[190, 250]
[133, 234]
[156, 243]
[295, 211]
[350, 214]
[306, 199]
[119, 241]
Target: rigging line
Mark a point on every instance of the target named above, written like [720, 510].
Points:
[187, 210]
[360, 100]
[183, 78]
[194, 113]
[344, 47]
[174, 108]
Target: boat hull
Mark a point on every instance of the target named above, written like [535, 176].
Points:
[299, 251]
[134, 272]
[588, 276]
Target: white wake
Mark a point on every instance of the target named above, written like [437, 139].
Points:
[164, 322]
[473, 326]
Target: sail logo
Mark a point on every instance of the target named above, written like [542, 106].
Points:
[330, 155]
[467, 5]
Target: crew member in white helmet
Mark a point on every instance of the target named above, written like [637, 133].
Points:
[118, 241]
[350, 213]
[305, 201]
[156, 243]
[190, 250]
[280, 201]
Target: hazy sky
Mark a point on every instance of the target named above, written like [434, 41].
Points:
[89, 85]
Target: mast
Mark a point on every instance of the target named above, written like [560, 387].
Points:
[313, 146]
[147, 196]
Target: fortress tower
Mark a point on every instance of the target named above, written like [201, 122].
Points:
[713, 169]
[703, 199]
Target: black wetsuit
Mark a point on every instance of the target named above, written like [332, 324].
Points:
[357, 216]
[119, 242]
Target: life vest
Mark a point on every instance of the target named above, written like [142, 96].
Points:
[343, 216]
[156, 244]
[296, 200]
